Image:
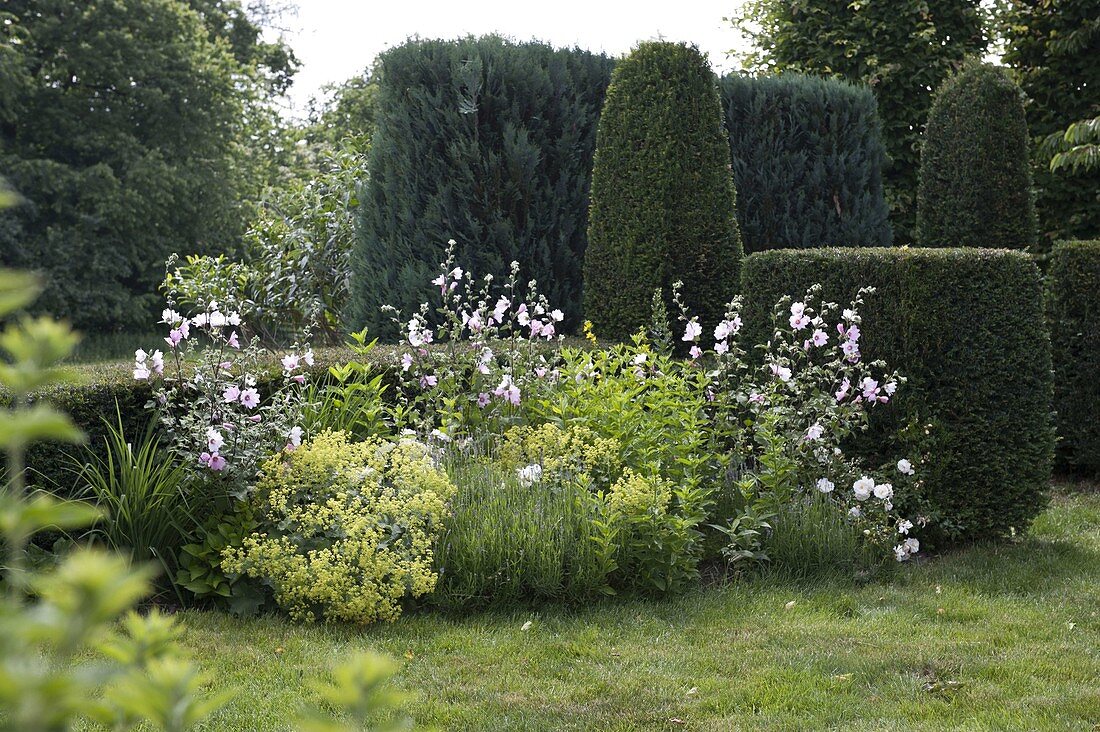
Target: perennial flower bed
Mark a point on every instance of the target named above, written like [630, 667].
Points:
[497, 468]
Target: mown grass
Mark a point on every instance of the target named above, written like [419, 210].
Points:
[989, 638]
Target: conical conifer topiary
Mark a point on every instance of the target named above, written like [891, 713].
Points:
[662, 192]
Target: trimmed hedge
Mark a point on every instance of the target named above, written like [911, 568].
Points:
[966, 327]
[807, 162]
[662, 194]
[486, 142]
[975, 172]
[1074, 308]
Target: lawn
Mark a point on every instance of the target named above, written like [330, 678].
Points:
[992, 637]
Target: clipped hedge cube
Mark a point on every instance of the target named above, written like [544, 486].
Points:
[1074, 298]
[966, 326]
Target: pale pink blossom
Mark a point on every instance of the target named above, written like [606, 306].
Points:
[692, 331]
[231, 394]
[250, 398]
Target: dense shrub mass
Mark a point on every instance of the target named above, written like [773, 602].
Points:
[132, 130]
[807, 162]
[1074, 282]
[662, 194]
[967, 329]
[975, 178]
[485, 142]
[346, 529]
[1053, 49]
[902, 50]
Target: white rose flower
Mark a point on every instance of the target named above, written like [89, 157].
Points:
[884, 491]
[862, 488]
[825, 485]
[529, 475]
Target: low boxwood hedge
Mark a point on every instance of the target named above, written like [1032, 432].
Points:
[1074, 309]
[966, 326]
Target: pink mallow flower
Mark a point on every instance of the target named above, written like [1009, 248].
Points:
[233, 341]
[782, 372]
[508, 391]
[290, 362]
[696, 352]
[692, 331]
[843, 390]
[250, 398]
[428, 381]
[482, 399]
[231, 394]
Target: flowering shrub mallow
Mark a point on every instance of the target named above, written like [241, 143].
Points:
[786, 420]
[474, 369]
[217, 422]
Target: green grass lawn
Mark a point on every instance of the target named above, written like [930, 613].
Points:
[1000, 637]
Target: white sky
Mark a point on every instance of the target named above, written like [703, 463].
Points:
[336, 39]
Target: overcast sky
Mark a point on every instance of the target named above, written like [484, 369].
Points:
[336, 39]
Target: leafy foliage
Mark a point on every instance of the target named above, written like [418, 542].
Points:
[294, 277]
[518, 534]
[127, 134]
[1078, 148]
[662, 195]
[501, 136]
[46, 681]
[1074, 300]
[141, 493]
[1053, 48]
[807, 162]
[901, 49]
[977, 360]
[975, 177]
[346, 531]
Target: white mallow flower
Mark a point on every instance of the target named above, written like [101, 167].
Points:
[815, 432]
[900, 553]
[884, 491]
[639, 359]
[529, 475]
[825, 485]
[295, 436]
[557, 316]
[214, 439]
[904, 526]
[905, 467]
[862, 488]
